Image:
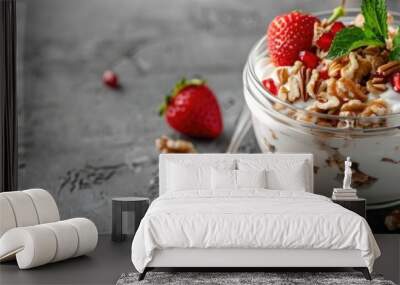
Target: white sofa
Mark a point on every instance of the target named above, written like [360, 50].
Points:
[31, 231]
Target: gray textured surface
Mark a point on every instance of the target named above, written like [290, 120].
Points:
[267, 278]
[86, 143]
[102, 266]
[111, 259]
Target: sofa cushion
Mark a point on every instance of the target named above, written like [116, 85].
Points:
[7, 220]
[23, 208]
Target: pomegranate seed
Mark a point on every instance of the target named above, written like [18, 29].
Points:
[269, 84]
[110, 79]
[325, 41]
[309, 59]
[337, 27]
[323, 74]
[396, 81]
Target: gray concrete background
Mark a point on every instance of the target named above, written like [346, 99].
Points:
[86, 143]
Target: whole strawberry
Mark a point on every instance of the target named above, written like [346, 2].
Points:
[193, 110]
[288, 35]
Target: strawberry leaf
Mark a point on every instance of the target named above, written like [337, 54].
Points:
[179, 86]
[184, 83]
[337, 13]
[163, 107]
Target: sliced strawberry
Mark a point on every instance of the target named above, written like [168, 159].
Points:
[325, 41]
[323, 74]
[270, 85]
[395, 80]
[309, 59]
[337, 27]
[288, 35]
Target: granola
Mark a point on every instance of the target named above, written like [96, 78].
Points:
[357, 85]
[167, 145]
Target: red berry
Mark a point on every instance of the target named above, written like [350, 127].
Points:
[193, 110]
[309, 59]
[337, 27]
[269, 84]
[323, 74]
[396, 81]
[288, 35]
[325, 41]
[110, 79]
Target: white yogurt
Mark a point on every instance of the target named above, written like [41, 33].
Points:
[376, 154]
[265, 69]
[392, 98]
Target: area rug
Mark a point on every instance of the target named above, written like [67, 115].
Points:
[243, 278]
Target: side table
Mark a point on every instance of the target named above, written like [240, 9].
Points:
[138, 205]
[357, 205]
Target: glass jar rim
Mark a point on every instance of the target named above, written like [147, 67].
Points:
[254, 56]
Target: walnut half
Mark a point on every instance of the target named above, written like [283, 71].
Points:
[376, 85]
[389, 68]
[283, 75]
[294, 88]
[354, 106]
[311, 87]
[327, 102]
[377, 107]
[166, 145]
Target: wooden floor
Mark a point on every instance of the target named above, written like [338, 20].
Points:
[103, 266]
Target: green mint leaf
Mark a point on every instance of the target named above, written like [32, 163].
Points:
[370, 34]
[348, 39]
[366, 42]
[396, 40]
[375, 15]
[395, 54]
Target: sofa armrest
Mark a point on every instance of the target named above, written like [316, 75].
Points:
[40, 244]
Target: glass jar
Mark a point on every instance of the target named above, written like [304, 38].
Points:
[372, 143]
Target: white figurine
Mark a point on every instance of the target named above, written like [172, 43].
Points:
[347, 174]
